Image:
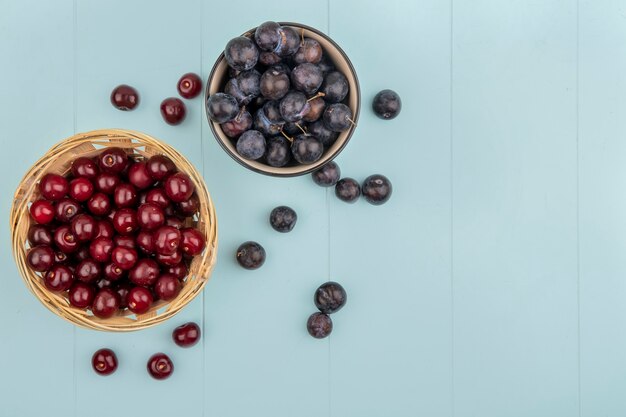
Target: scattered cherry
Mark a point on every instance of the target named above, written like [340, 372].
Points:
[186, 335]
[160, 366]
[104, 362]
[124, 97]
[173, 111]
[189, 85]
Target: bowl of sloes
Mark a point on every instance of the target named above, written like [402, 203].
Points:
[282, 99]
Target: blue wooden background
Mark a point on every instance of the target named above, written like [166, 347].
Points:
[492, 284]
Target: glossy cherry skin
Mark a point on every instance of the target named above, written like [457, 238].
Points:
[105, 304]
[125, 195]
[100, 249]
[112, 160]
[139, 300]
[85, 168]
[145, 242]
[104, 362]
[65, 240]
[125, 258]
[40, 258]
[186, 335]
[99, 204]
[158, 197]
[180, 270]
[125, 241]
[166, 240]
[189, 207]
[139, 176]
[173, 111]
[81, 295]
[81, 189]
[42, 211]
[169, 260]
[125, 221]
[160, 366]
[189, 85]
[167, 287]
[107, 182]
[39, 235]
[179, 187]
[58, 278]
[150, 216]
[88, 271]
[66, 209]
[104, 228]
[160, 167]
[124, 97]
[145, 272]
[53, 187]
[113, 272]
[193, 242]
[84, 227]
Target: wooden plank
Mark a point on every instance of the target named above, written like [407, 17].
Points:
[602, 207]
[514, 204]
[36, 111]
[391, 347]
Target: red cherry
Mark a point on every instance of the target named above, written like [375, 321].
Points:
[88, 271]
[84, 227]
[81, 295]
[189, 85]
[58, 278]
[85, 167]
[107, 182]
[65, 240]
[125, 195]
[42, 211]
[158, 196]
[122, 290]
[66, 209]
[100, 249]
[81, 189]
[139, 300]
[99, 204]
[40, 258]
[189, 207]
[173, 111]
[60, 258]
[53, 187]
[125, 221]
[145, 242]
[125, 258]
[166, 240]
[180, 270]
[167, 287]
[113, 160]
[104, 228]
[179, 187]
[186, 335]
[160, 366]
[113, 272]
[39, 235]
[139, 176]
[160, 167]
[192, 241]
[124, 97]
[145, 272]
[125, 241]
[105, 304]
[169, 260]
[104, 362]
[150, 216]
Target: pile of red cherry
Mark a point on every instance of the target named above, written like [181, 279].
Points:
[113, 233]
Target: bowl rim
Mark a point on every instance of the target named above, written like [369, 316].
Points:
[307, 168]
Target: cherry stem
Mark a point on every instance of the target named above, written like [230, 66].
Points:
[300, 127]
[318, 95]
[285, 135]
[243, 108]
